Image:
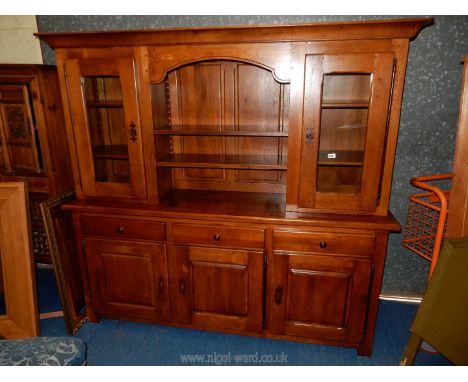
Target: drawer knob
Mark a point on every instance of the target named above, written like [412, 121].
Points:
[323, 244]
[120, 229]
[216, 237]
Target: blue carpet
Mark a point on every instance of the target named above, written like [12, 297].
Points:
[113, 342]
[47, 294]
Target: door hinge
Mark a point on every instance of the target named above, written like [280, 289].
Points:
[83, 243]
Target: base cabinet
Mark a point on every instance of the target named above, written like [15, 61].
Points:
[128, 279]
[312, 284]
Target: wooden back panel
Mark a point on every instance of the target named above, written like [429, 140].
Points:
[223, 96]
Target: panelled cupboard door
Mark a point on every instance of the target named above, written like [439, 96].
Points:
[218, 288]
[106, 126]
[18, 136]
[128, 279]
[319, 296]
[346, 103]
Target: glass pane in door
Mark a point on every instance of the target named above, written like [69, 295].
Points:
[344, 111]
[107, 128]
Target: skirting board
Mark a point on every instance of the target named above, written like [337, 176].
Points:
[413, 300]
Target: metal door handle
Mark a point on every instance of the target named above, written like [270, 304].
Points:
[161, 284]
[309, 136]
[278, 295]
[182, 287]
[133, 132]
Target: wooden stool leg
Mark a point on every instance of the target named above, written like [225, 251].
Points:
[412, 348]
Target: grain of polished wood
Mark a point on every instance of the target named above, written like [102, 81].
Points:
[22, 317]
[457, 219]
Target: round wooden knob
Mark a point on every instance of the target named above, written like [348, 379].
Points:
[120, 229]
[216, 237]
[323, 244]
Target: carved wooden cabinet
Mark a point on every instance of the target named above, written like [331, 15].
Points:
[33, 143]
[236, 179]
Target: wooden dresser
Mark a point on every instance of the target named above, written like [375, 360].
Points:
[33, 143]
[236, 179]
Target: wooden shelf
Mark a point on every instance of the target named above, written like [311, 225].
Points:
[105, 104]
[239, 162]
[343, 158]
[111, 152]
[345, 104]
[352, 189]
[248, 131]
[226, 202]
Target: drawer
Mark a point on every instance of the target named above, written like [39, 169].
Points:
[218, 235]
[123, 228]
[355, 244]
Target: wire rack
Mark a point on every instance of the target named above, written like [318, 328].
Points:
[426, 219]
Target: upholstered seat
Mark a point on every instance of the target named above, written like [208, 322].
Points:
[43, 351]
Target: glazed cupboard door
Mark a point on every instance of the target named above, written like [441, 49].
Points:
[128, 279]
[319, 296]
[218, 288]
[346, 106]
[106, 126]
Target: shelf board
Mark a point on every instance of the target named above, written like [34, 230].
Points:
[111, 152]
[226, 202]
[345, 104]
[204, 130]
[351, 158]
[352, 189]
[105, 104]
[239, 162]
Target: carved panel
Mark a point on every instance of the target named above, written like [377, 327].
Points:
[19, 131]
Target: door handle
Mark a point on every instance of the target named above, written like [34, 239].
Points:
[133, 132]
[182, 287]
[278, 295]
[161, 285]
[309, 136]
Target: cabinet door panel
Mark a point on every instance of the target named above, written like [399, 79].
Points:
[218, 287]
[18, 136]
[106, 126]
[318, 296]
[128, 278]
[346, 102]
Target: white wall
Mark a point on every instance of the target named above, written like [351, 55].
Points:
[17, 43]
